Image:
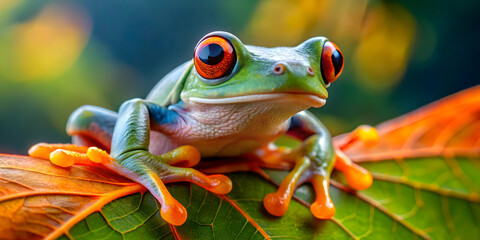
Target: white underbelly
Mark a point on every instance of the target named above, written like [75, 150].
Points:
[218, 130]
[220, 147]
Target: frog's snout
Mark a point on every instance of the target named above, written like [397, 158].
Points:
[282, 67]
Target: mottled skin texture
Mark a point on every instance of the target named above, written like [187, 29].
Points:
[238, 114]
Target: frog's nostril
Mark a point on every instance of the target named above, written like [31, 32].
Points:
[278, 69]
[310, 71]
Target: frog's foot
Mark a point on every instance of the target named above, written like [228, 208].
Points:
[154, 171]
[66, 155]
[357, 177]
[323, 207]
[171, 210]
[304, 171]
[307, 169]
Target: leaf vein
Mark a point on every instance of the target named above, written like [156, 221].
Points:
[448, 218]
[427, 187]
[384, 210]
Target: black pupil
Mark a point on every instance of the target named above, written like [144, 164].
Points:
[212, 54]
[337, 61]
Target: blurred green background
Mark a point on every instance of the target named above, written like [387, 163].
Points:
[58, 55]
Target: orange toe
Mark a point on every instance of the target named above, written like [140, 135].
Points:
[98, 155]
[323, 210]
[173, 212]
[358, 178]
[61, 158]
[368, 135]
[183, 156]
[276, 204]
[39, 151]
[43, 150]
[219, 184]
[323, 207]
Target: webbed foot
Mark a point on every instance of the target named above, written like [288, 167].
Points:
[314, 165]
[308, 168]
[152, 171]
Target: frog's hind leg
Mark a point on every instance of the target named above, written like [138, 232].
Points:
[90, 127]
[66, 155]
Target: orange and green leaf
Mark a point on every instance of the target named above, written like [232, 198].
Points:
[426, 185]
[38, 200]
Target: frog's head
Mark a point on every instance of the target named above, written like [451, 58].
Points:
[227, 72]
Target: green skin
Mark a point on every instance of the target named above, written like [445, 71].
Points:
[239, 114]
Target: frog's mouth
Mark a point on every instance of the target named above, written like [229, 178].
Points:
[298, 98]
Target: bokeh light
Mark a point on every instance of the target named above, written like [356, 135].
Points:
[50, 43]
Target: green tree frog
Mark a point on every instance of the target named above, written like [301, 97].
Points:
[231, 102]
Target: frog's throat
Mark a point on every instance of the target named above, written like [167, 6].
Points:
[309, 99]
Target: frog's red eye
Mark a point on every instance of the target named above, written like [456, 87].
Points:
[214, 57]
[332, 62]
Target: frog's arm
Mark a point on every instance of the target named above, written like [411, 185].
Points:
[130, 143]
[305, 124]
[314, 161]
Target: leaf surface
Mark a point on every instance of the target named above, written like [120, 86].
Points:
[427, 168]
[426, 173]
[38, 199]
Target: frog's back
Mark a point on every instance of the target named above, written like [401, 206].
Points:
[168, 89]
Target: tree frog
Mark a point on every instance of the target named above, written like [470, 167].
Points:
[231, 101]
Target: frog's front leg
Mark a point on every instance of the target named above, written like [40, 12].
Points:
[130, 143]
[314, 160]
[129, 154]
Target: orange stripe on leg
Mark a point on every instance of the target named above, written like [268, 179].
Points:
[323, 207]
[358, 178]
